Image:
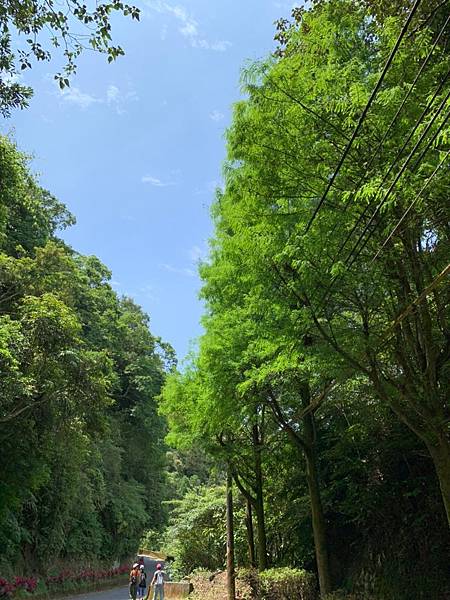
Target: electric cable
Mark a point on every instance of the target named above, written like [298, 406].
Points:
[393, 163]
[365, 111]
[413, 84]
[410, 207]
[398, 176]
[355, 248]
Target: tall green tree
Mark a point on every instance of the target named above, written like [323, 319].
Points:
[324, 291]
[358, 250]
[80, 375]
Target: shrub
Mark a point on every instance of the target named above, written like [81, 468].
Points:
[342, 595]
[287, 584]
[8, 589]
[274, 584]
[62, 582]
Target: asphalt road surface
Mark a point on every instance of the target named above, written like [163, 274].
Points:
[120, 593]
[150, 567]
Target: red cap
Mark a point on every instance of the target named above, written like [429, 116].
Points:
[158, 566]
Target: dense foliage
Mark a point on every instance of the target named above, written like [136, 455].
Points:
[295, 584]
[66, 581]
[273, 584]
[319, 390]
[32, 30]
[321, 381]
[82, 444]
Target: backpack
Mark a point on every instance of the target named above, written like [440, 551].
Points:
[143, 579]
[133, 576]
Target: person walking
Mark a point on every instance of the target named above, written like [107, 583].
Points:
[158, 583]
[142, 582]
[133, 581]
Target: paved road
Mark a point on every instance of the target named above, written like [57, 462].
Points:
[119, 593]
[150, 567]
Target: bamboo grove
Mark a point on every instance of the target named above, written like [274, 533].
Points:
[82, 452]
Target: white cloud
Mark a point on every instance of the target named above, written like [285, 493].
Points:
[220, 46]
[179, 271]
[113, 97]
[287, 6]
[196, 253]
[118, 99]
[189, 27]
[209, 187]
[216, 115]
[10, 78]
[112, 93]
[75, 96]
[149, 292]
[155, 181]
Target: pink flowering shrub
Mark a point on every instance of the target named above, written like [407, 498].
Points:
[9, 589]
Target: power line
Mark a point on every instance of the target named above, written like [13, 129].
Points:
[391, 124]
[410, 207]
[423, 23]
[397, 114]
[396, 179]
[399, 153]
[365, 111]
[416, 78]
[421, 297]
[418, 122]
[351, 255]
[433, 139]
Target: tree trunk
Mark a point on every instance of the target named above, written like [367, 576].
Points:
[440, 453]
[231, 585]
[318, 518]
[250, 533]
[437, 442]
[259, 505]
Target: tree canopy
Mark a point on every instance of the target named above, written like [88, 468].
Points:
[82, 443]
[326, 307]
[317, 394]
[32, 30]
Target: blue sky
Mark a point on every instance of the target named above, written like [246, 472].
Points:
[135, 148]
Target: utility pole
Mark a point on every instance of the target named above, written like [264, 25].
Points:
[231, 584]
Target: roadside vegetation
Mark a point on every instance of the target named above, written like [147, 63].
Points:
[320, 384]
[80, 435]
[304, 445]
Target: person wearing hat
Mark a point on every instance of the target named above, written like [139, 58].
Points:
[142, 582]
[133, 581]
[158, 583]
